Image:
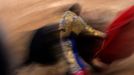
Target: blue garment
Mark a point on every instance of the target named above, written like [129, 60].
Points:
[76, 55]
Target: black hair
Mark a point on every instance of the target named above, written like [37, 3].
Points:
[3, 59]
[45, 47]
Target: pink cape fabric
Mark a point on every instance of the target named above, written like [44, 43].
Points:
[120, 38]
[83, 72]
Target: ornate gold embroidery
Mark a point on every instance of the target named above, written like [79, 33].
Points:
[71, 23]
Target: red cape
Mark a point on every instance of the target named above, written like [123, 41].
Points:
[120, 38]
